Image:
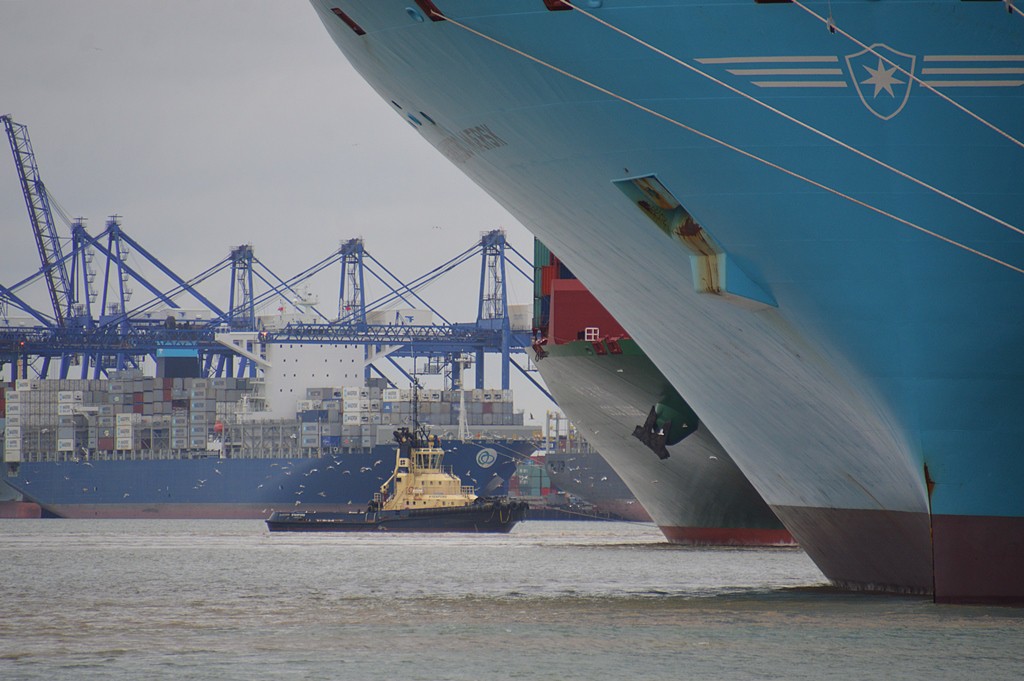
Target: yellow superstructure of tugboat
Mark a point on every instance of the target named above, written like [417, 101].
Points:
[419, 480]
[420, 496]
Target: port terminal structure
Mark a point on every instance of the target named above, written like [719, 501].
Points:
[92, 329]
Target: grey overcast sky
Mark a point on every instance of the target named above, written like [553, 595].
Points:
[209, 124]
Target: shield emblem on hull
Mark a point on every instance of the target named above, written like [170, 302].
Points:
[880, 75]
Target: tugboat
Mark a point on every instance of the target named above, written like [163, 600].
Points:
[420, 496]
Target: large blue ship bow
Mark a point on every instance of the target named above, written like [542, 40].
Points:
[809, 216]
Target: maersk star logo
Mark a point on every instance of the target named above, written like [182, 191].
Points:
[880, 75]
[882, 78]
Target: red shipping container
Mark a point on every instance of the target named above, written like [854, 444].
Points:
[573, 309]
[548, 273]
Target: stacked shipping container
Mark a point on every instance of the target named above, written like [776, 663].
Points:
[131, 416]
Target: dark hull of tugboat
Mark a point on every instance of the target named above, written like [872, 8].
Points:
[490, 516]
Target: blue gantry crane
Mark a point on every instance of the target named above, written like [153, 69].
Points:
[444, 340]
[53, 267]
[94, 327]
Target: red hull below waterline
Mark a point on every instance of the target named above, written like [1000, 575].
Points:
[978, 559]
[866, 550]
[727, 536]
[20, 509]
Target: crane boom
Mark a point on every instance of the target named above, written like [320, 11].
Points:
[36, 200]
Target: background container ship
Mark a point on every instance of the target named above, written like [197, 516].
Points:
[575, 467]
[138, 447]
[648, 434]
[807, 214]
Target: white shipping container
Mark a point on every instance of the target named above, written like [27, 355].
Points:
[13, 409]
[67, 409]
[13, 455]
[13, 419]
[351, 393]
[391, 395]
[350, 419]
[65, 444]
[13, 431]
[13, 396]
[122, 443]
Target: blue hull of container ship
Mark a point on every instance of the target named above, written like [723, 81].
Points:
[848, 332]
[212, 487]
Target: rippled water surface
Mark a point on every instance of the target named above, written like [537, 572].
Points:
[552, 600]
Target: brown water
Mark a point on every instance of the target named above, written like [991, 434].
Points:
[551, 600]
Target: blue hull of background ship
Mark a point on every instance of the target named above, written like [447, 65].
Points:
[211, 487]
[823, 314]
[140, 447]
